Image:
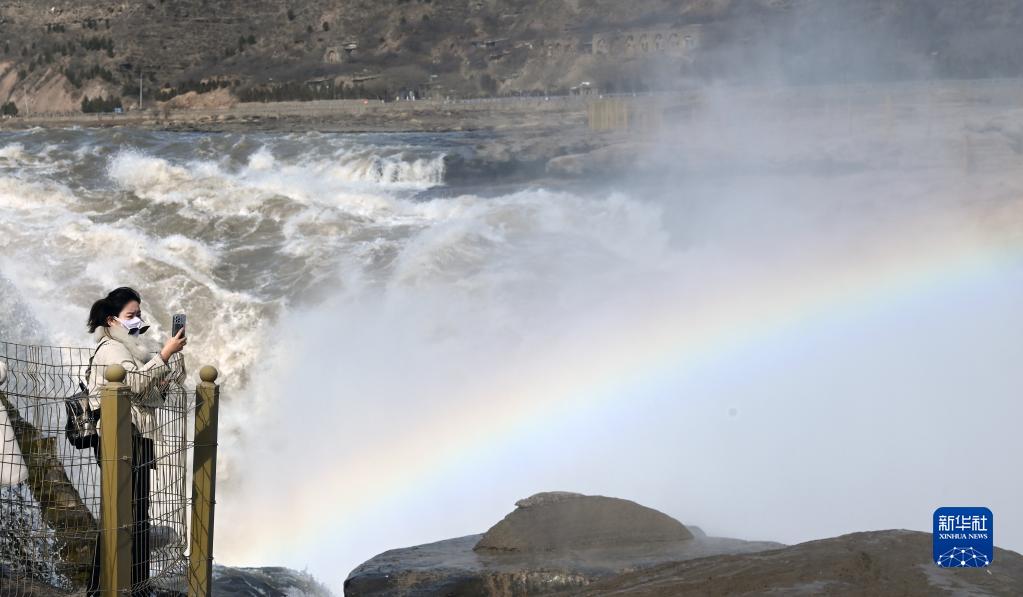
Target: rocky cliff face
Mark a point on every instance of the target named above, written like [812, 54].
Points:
[54, 53]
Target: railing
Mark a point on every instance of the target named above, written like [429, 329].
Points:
[109, 517]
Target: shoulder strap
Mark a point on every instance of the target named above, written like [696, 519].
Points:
[88, 372]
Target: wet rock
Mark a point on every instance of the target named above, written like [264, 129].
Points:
[60, 506]
[612, 160]
[269, 581]
[562, 520]
[894, 562]
[24, 587]
[551, 542]
[696, 531]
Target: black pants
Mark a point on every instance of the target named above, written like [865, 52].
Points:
[142, 462]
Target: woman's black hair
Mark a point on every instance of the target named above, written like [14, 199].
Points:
[110, 306]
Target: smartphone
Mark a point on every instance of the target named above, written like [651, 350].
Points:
[177, 322]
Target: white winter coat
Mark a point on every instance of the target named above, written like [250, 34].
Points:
[147, 375]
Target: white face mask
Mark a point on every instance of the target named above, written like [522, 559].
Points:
[135, 326]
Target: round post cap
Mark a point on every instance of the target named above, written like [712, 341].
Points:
[115, 373]
[208, 374]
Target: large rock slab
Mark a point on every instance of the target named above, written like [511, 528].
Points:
[453, 567]
[544, 546]
[562, 520]
[895, 562]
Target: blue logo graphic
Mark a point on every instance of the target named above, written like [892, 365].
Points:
[964, 537]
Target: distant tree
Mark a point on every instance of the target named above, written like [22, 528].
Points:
[100, 104]
[9, 109]
[73, 77]
[326, 26]
[309, 29]
[488, 84]
[99, 43]
[251, 40]
[7, 48]
[291, 15]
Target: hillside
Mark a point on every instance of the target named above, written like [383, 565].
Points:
[55, 53]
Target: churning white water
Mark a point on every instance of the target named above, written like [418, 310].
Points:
[745, 345]
[230, 228]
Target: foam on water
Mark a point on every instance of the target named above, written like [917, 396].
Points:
[12, 152]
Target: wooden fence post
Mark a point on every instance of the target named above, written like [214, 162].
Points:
[204, 484]
[115, 489]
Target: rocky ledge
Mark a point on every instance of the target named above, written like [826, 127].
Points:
[549, 543]
[893, 562]
[570, 544]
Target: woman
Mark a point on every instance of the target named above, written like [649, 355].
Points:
[117, 326]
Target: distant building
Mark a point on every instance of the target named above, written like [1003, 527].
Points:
[558, 47]
[322, 84]
[673, 41]
[339, 54]
[584, 88]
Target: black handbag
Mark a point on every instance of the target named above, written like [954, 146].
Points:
[80, 429]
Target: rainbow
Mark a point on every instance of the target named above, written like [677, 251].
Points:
[755, 309]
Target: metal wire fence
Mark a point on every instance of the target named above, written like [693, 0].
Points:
[50, 489]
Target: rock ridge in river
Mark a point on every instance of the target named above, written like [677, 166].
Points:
[551, 542]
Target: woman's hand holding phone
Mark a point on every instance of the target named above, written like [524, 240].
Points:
[173, 345]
